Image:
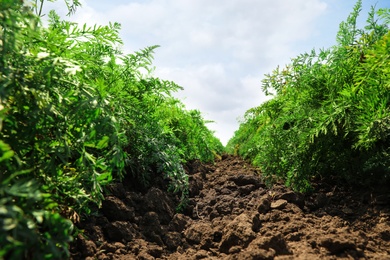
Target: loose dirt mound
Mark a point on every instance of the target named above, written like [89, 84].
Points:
[233, 215]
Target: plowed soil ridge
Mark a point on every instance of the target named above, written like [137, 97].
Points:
[231, 214]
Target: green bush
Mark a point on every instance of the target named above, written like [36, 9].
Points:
[329, 117]
[29, 226]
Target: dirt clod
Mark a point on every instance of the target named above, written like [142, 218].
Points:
[279, 204]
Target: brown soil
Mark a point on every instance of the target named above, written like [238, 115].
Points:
[232, 215]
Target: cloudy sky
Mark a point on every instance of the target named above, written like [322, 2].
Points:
[220, 50]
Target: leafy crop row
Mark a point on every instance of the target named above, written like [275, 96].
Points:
[330, 112]
[75, 114]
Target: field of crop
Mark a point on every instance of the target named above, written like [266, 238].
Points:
[79, 118]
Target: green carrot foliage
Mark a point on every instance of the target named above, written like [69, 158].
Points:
[330, 113]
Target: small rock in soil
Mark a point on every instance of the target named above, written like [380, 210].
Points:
[292, 197]
[279, 204]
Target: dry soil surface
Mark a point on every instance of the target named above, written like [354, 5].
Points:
[231, 214]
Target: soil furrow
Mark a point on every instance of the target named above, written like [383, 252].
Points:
[232, 214]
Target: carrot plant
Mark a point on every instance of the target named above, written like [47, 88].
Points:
[77, 113]
[329, 117]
